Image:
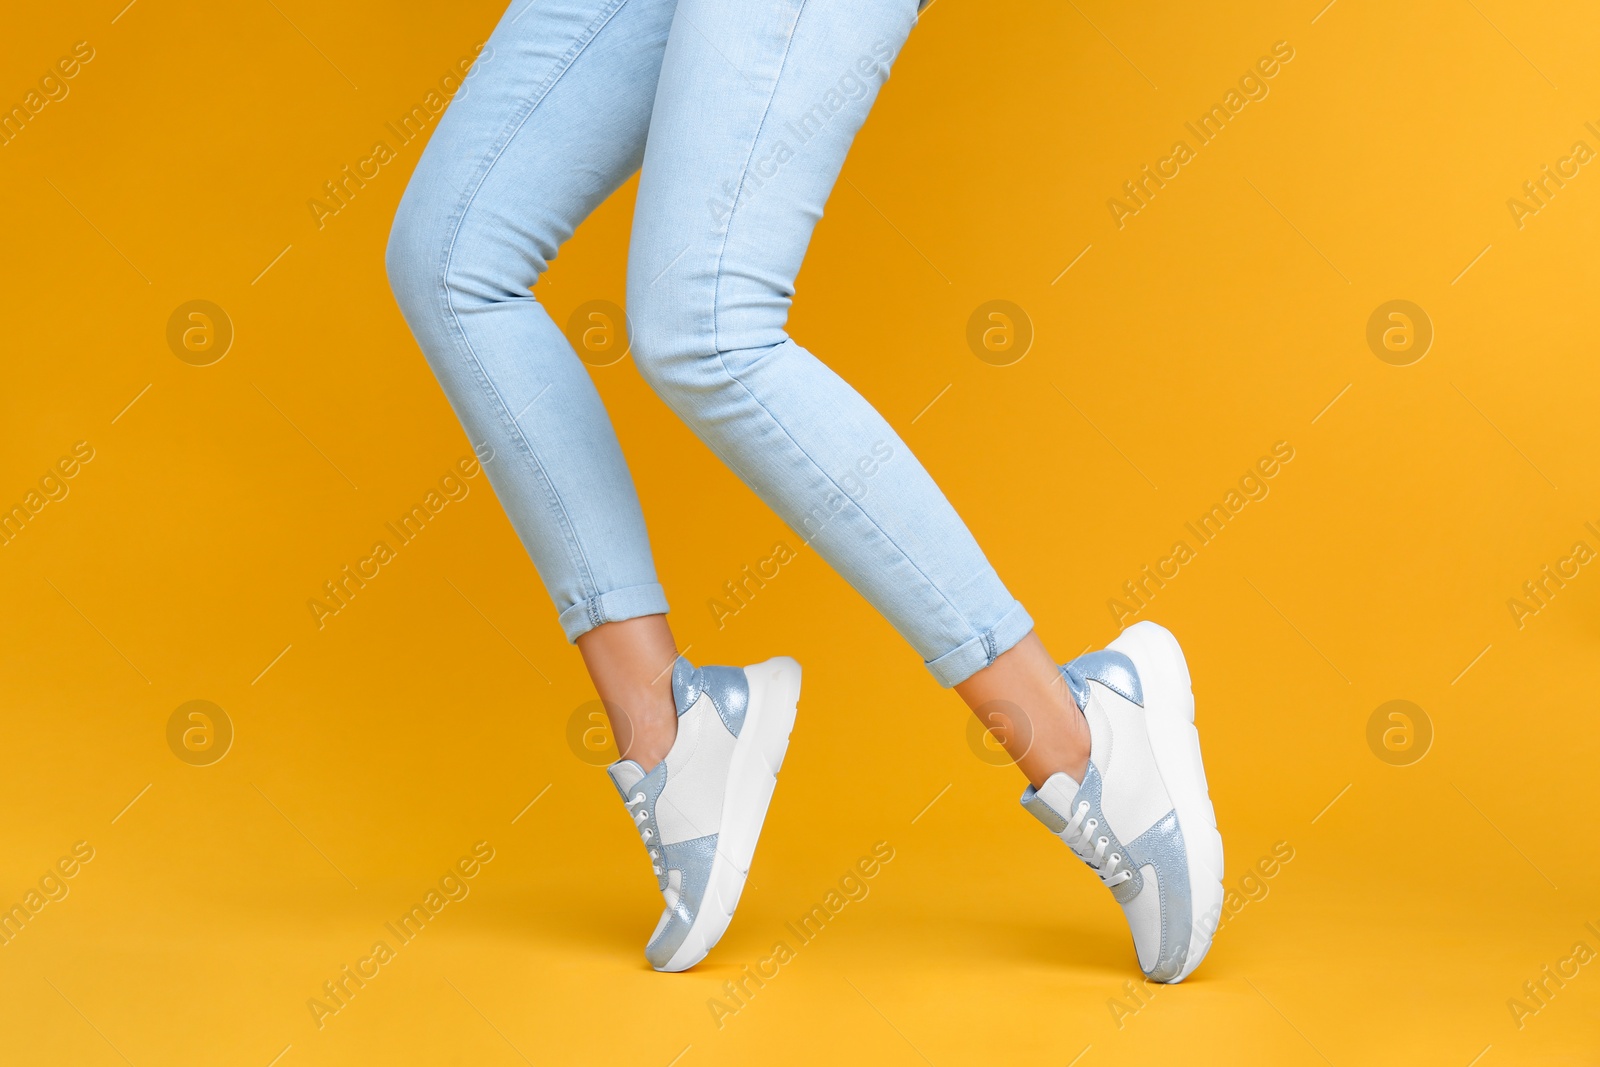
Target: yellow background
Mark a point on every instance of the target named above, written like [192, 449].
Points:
[426, 716]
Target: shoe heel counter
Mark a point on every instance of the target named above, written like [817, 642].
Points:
[729, 690]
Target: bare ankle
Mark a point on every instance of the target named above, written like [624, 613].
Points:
[630, 663]
[1025, 702]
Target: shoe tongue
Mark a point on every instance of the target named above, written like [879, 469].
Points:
[1052, 802]
[1061, 787]
[686, 684]
[625, 774]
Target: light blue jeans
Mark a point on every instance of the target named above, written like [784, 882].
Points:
[740, 112]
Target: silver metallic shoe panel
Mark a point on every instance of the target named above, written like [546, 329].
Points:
[729, 691]
[692, 860]
[1111, 669]
[1162, 847]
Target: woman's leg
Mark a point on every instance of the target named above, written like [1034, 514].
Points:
[552, 119]
[756, 108]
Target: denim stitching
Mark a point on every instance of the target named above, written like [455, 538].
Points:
[717, 347]
[744, 170]
[574, 547]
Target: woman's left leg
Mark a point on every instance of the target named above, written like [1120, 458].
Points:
[756, 107]
[755, 110]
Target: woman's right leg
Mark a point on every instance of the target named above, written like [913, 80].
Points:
[550, 122]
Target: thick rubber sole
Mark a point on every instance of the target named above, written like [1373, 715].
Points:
[1169, 713]
[752, 776]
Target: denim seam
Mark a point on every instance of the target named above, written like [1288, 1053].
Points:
[744, 171]
[972, 631]
[553, 500]
[716, 344]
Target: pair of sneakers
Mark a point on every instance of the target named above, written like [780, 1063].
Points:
[1141, 818]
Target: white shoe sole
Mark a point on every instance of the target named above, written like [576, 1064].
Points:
[1169, 712]
[753, 772]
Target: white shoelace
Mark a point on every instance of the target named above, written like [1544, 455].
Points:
[1079, 835]
[641, 817]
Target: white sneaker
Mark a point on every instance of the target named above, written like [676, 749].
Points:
[1142, 817]
[699, 812]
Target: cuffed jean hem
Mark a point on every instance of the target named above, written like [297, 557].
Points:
[615, 606]
[968, 659]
